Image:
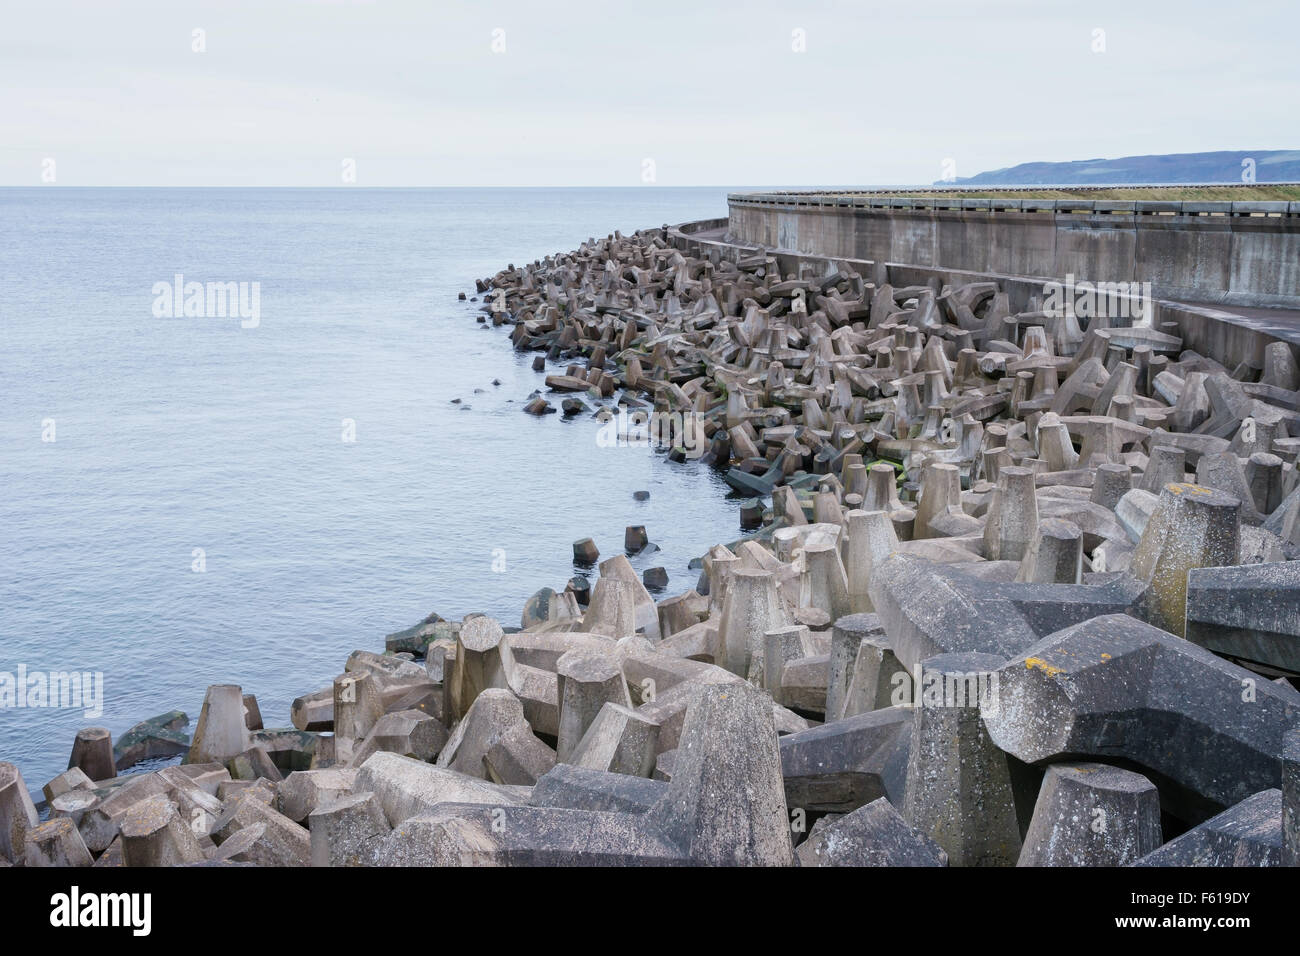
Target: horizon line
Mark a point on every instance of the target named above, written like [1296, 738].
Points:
[354, 186]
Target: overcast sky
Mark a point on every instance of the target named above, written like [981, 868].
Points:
[584, 93]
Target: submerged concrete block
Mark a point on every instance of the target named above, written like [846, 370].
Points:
[160, 736]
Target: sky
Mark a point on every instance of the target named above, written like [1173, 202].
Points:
[669, 93]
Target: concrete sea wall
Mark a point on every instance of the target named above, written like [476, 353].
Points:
[1227, 336]
[1230, 253]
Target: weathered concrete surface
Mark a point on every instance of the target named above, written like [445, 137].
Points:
[1114, 688]
[1192, 527]
[17, 813]
[930, 609]
[1249, 613]
[1199, 258]
[726, 804]
[577, 788]
[406, 788]
[846, 764]
[959, 787]
[1092, 814]
[1247, 834]
[873, 835]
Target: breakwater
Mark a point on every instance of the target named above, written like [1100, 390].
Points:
[1002, 562]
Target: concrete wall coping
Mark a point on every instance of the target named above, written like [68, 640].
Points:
[1072, 206]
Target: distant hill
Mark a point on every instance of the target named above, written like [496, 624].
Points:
[1271, 166]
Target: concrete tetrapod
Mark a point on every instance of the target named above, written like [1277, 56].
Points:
[873, 835]
[959, 788]
[1114, 688]
[1092, 814]
[752, 608]
[221, 732]
[1246, 834]
[1192, 527]
[724, 806]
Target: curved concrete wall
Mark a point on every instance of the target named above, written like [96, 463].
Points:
[1227, 337]
[1230, 253]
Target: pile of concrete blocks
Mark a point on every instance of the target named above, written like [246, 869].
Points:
[1085, 531]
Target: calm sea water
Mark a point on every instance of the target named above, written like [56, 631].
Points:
[177, 434]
